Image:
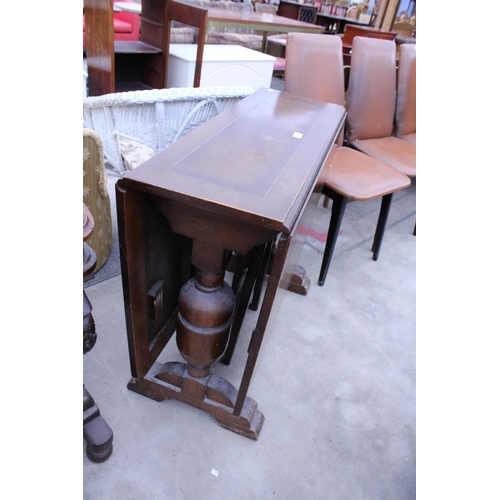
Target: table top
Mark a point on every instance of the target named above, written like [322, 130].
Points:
[256, 20]
[260, 20]
[257, 162]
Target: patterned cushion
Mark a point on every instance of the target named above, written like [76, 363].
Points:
[183, 34]
[249, 40]
[134, 153]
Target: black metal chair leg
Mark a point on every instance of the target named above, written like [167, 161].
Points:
[382, 221]
[338, 209]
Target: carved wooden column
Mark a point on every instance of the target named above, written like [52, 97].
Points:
[206, 305]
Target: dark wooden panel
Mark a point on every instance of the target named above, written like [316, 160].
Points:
[99, 46]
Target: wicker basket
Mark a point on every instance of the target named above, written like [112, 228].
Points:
[155, 118]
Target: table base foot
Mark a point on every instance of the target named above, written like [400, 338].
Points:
[299, 282]
[212, 394]
[248, 424]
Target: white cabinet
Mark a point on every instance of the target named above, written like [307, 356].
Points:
[223, 65]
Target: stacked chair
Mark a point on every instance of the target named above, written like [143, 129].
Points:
[406, 104]
[373, 163]
[371, 105]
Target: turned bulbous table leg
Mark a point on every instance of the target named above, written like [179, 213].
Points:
[206, 305]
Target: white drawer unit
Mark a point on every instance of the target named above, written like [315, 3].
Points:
[223, 65]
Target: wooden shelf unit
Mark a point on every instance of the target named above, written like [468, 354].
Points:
[117, 65]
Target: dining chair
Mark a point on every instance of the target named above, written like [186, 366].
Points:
[352, 31]
[406, 102]
[371, 105]
[404, 28]
[315, 70]
[192, 16]
[352, 12]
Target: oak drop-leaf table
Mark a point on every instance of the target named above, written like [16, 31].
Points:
[238, 182]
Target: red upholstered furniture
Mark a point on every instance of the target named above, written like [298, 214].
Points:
[126, 26]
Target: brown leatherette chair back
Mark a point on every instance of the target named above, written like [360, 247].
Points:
[322, 59]
[406, 104]
[378, 88]
[371, 105]
[320, 56]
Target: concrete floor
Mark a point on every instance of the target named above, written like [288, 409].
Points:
[335, 382]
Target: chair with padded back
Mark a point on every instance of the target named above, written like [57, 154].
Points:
[308, 14]
[348, 174]
[96, 196]
[352, 12]
[371, 105]
[405, 29]
[406, 102]
[352, 31]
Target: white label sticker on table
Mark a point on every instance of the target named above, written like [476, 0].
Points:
[297, 135]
